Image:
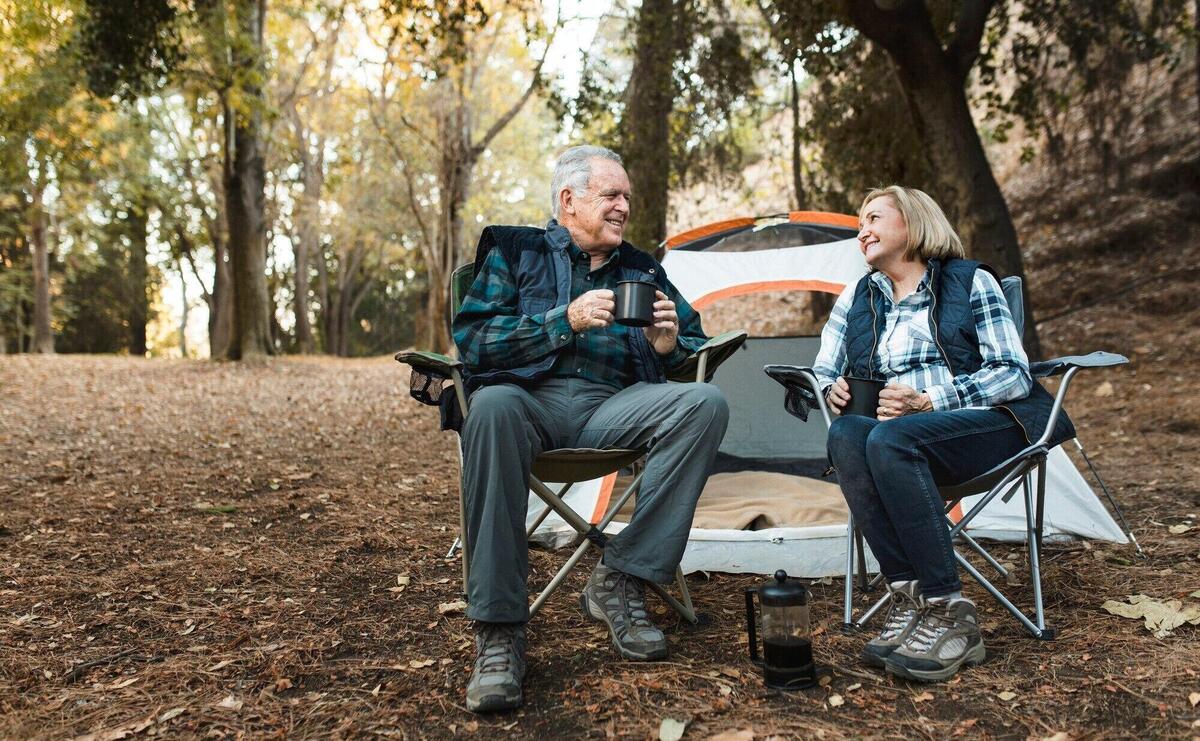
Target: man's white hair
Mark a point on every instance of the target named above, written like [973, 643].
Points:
[574, 169]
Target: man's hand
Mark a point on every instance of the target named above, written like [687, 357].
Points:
[664, 332]
[592, 310]
[897, 400]
[838, 395]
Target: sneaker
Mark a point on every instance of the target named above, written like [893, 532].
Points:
[944, 639]
[619, 601]
[499, 667]
[900, 618]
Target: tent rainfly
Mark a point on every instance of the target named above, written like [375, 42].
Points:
[768, 473]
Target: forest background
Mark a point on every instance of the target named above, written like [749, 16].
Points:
[232, 178]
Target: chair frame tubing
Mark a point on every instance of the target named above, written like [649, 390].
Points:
[1025, 464]
[589, 535]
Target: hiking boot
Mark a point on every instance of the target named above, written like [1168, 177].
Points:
[900, 618]
[619, 601]
[499, 667]
[944, 638]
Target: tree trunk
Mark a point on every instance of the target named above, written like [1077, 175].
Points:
[933, 80]
[325, 315]
[646, 136]
[797, 172]
[244, 183]
[183, 320]
[43, 337]
[220, 309]
[138, 305]
[307, 240]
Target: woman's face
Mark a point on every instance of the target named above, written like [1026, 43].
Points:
[882, 234]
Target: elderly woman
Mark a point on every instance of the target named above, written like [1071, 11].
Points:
[959, 400]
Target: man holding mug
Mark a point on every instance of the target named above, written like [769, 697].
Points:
[550, 367]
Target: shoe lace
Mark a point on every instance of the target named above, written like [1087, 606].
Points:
[498, 646]
[900, 613]
[633, 598]
[933, 620]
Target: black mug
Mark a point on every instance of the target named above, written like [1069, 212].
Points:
[635, 303]
[864, 396]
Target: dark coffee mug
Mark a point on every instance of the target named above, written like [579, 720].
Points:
[635, 303]
[864, 396]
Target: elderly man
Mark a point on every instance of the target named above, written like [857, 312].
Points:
[549, 368]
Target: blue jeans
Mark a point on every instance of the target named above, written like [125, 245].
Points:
[889, 472]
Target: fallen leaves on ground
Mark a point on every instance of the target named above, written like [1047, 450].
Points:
[1160, 617]
[671, 730]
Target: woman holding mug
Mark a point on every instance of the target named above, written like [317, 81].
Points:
[958, 401]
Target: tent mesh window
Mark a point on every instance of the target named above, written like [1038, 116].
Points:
[426, 387]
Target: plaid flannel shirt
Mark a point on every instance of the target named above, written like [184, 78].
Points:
[491, 332]
[910, 356]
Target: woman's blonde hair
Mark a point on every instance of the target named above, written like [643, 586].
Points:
[930, 235]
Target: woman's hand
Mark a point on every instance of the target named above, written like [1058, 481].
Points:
[897, 400]
[838, 395]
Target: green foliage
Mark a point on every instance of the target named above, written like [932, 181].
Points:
[713, 83]
[860, 126]
[130, 46]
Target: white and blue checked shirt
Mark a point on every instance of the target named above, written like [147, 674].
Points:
[909, 355]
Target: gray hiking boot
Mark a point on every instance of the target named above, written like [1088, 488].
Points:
[619, 601]
[944, 639]
[499, 667]
[900, 618]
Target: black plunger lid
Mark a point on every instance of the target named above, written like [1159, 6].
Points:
[783, 592]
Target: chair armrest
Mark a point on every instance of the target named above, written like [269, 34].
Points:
[430, 362]
[710, 355]
[1058, 366]
[803, 390]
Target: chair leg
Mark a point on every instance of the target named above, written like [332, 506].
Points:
[848, 593]
[1033, 537]
[1042, 633]
[862, 562]
[974, 545]
[559, 577]
[529, 531]
[686, 596]
[462, 539]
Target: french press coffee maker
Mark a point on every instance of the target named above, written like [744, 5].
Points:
[787, 660]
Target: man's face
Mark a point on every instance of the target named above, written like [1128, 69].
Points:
[596, 216]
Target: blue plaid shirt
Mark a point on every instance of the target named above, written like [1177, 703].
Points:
[491, 332]
[910, 356]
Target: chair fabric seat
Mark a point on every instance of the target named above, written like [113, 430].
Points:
[582, 464]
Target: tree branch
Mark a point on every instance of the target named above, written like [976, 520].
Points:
[963, 49]
[477, 148]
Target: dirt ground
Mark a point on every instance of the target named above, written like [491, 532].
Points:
[193, 549]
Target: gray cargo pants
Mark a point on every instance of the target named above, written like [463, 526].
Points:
[509, 425]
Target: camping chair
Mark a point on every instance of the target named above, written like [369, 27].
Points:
[1017, 474]
[430, 371]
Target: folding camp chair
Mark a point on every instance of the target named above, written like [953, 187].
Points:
[431, 370]
[1017, 474]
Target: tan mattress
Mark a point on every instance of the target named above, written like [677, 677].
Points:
[754, 500]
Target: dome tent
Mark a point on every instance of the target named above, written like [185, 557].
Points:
[770, 463]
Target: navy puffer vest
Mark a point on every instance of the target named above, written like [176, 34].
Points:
[953, 324]
[543, 273]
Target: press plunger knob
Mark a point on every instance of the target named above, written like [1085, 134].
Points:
[781, 576]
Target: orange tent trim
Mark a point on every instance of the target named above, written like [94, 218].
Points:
[606, 489]
[824, 217]
[805, 217]
[709, 299]
[704, 231]
[956, 513]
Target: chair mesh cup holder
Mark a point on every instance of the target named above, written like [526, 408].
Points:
[426, 386]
